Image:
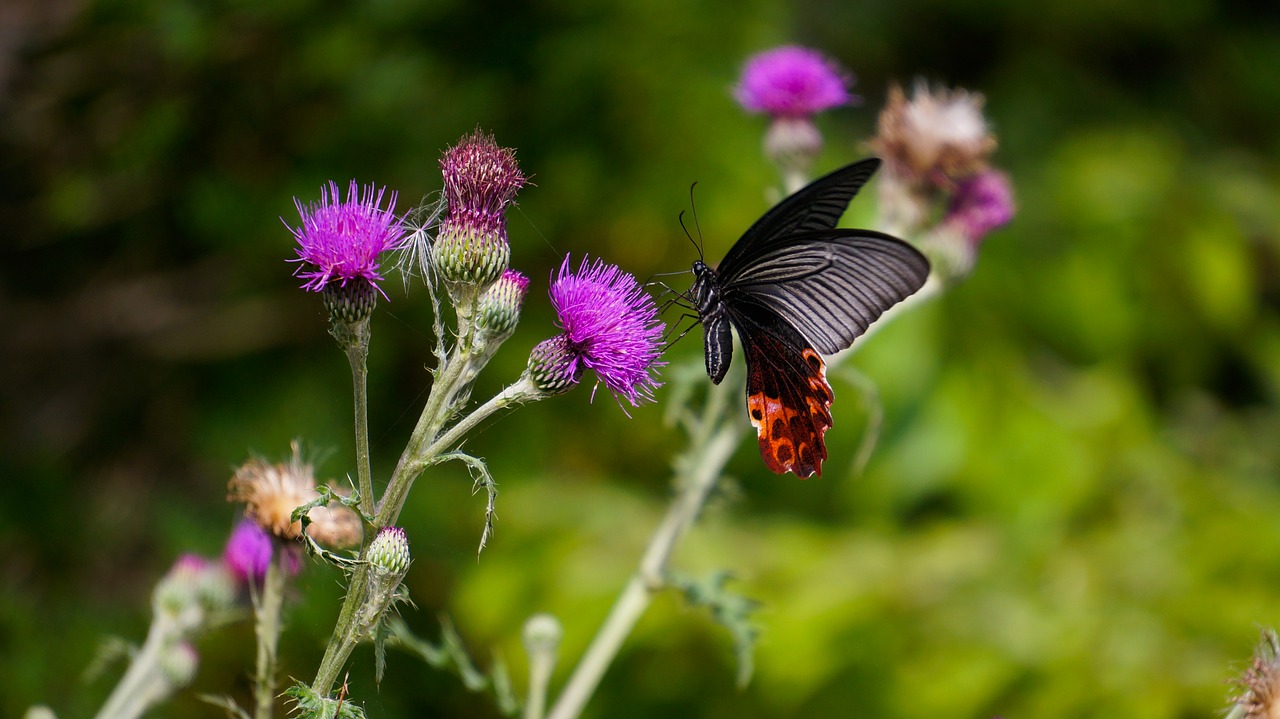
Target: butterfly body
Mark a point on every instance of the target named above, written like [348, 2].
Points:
[717, 342]
[795, 286]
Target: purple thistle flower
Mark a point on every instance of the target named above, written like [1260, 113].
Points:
[981, 204]
[341, 241]
[481, 180]
[793, 81]
[610, 326]
[249, 550]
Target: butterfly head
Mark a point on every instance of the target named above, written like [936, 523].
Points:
[705, 291]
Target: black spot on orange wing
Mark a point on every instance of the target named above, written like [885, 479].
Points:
[788, 400]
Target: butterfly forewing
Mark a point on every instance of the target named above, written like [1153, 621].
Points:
[829, 285]
[817, 206]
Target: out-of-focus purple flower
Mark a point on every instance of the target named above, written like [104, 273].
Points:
[481, 180]
[792, 84]
[341, 241]
[249, 551]
[611, 327]
[792, 81]
[981, 204]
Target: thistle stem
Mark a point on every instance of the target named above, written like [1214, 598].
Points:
[267, 626]
[342, 642]
[358, 357]
[434, 415]
[412, 462]
[142, 684]
[518, 392]
[714, 440]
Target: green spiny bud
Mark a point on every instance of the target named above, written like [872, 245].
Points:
[389, 551]
[350, 302]
[498, 309]
[553, 368]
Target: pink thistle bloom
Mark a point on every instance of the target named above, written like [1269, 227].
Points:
[793, 81]
[982, 203]
[611, 327]
[341, 241]
[249, 550]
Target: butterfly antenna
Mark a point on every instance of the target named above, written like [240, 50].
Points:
[689, 235]
[693, 206]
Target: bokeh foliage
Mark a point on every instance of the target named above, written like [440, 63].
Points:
[1073, 507]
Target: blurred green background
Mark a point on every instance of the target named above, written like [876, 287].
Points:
[1074, 508]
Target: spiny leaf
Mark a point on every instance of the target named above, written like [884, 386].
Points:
[483, 480]
[309, 705]
[451, 655]
[225, 703]
[730, 610]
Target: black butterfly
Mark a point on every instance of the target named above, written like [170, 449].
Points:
[793, 286]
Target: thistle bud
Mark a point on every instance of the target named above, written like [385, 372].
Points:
[389, 551]
[498, 309]
[389, 559]
[541, 635]
[178, 592]
[350, 302]
[178, 664]
[553, 367]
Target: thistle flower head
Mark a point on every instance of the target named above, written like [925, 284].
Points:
[792, 81]
[610, 326]
[1259, 696]
[271, 492]
[340, 242]
[480, 181]
[981, 203]
[938, 137]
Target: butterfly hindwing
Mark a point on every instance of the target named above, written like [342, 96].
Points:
[830, 285]
[788, 397]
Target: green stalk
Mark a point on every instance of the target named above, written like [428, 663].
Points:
[139, 689]
[434, 415]
[357, 347]
[267, 626]
[713, 438]
[423, 446]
